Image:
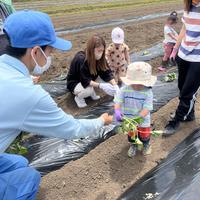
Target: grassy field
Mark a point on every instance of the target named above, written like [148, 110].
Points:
[69, 7]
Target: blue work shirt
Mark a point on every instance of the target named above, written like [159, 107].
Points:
[27, 107]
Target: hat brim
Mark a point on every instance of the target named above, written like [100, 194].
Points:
[149, 83]
[116, 41]
[61, 44]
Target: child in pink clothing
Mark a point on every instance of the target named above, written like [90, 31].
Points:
[117, 54]
[170, 40]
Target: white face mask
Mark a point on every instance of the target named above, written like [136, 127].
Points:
[38, 70]
[98, 56]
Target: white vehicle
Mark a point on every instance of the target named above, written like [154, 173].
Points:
[5, 10]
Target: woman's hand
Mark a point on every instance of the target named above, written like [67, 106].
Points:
[173, 54]
[113, 82]
[178, 43]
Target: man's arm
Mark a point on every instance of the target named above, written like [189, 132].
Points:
[45, 118]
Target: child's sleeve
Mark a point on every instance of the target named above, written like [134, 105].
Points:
[167, 30]
[148, 103]
[119, 97]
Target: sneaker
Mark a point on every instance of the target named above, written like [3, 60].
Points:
[132, 151]
[165, 64]
[80, 102]
[172, 63]
[140, 147]
[171, 127]
[146, 150]
[191, 117]
[95, 97]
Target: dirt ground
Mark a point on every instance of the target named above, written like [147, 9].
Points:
[106, 172]
[138, 36]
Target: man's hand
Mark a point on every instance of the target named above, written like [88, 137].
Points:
[107, 118]
[35, 79]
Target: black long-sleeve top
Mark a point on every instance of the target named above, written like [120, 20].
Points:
[79, 72]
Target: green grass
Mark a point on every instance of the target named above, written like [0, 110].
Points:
[94, 7]
[57, 10]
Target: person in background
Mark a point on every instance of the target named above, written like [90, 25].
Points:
[188, 60]
[136, 99]
[84, 70]
[117, 54]
[170, 40]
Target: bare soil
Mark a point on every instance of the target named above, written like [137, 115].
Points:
[138, 36]
[106, 172]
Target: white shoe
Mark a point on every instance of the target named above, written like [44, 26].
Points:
[132, 151]
[94, 96]
[80, 102]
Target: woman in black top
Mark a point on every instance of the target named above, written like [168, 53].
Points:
[85, 67]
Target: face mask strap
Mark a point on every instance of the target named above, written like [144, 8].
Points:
[33, 57]
[42, 53]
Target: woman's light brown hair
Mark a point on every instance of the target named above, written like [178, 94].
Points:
[94, 42]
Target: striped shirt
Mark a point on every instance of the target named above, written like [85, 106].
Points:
[190, 46]
[132, 102]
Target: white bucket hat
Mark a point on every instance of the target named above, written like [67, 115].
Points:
[139, 73]
[117, 35]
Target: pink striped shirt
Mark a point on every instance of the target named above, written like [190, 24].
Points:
[190, 46]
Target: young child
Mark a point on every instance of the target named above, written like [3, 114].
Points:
[136, 99]
[117, 54]
[170, 40]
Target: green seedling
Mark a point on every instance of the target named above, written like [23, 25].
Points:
[16, 147]
[145, 53]
[170, 77]
[130, 125]
[156, 133]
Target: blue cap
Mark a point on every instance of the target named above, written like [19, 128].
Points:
[27, 29]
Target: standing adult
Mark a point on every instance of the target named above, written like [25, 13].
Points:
[85, 67]
[25, 106]
[188, 60]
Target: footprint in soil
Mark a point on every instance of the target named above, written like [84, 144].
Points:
[125, 169]
[101, 196]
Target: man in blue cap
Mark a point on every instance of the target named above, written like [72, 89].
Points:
[27, 107]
